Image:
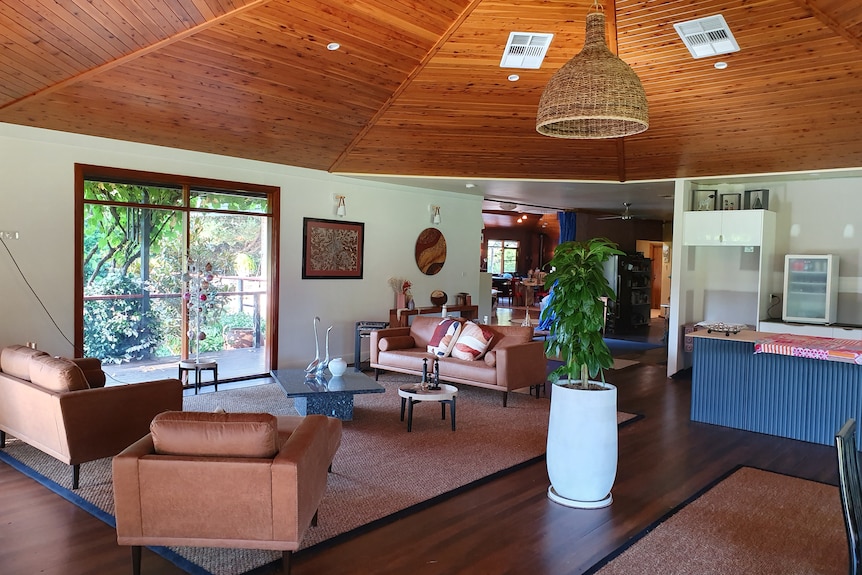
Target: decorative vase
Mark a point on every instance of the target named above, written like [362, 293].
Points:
[400, 301]
[582, 446]
[337, 367]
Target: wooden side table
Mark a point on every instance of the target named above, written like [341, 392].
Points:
[189, 365]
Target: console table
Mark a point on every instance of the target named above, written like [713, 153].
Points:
[397, 319]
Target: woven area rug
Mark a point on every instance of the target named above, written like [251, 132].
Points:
[379, 473]
[753, 521]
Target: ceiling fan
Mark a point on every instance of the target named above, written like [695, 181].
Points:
[626, 215]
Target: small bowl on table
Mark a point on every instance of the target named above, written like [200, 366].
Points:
[439, 297]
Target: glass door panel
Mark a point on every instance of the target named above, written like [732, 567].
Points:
[131, 266]
[233, 317]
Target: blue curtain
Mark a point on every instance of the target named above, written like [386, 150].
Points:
[568, 223]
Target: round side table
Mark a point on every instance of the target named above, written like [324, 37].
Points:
[414, 393]
[189, 365]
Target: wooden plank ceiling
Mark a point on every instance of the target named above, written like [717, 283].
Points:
[416, 88]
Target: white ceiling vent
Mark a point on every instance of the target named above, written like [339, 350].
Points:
[525, 50]
[708, 36]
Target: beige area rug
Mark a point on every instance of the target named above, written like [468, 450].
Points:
[379, 472]
[752, 522]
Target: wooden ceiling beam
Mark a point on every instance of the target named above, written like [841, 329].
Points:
[834, 25]
[132, 56]
[406, 83]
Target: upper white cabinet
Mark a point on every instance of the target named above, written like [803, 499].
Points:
[727, 228]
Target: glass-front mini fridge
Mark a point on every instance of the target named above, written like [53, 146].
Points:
[810, 288]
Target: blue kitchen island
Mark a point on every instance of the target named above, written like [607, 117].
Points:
[773, 392]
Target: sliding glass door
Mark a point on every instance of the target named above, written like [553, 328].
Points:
[139, 241]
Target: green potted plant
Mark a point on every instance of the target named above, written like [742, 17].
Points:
[582, 429]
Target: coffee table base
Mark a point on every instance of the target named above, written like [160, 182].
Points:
[338, 405]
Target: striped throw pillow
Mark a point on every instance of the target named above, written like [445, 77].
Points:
[473, 342]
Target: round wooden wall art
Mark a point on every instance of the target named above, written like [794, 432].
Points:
[430, 251]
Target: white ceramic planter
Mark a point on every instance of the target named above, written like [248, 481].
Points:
[582, 446]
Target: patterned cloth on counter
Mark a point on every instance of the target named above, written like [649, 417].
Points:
[813, 347]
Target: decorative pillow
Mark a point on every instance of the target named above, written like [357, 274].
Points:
[56, 374]
[215, 434]
[396, 342]
[472, 342]
[444, 338]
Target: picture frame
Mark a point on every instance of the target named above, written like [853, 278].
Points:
[332, 249]
[730, 201]
[757, 199]
[703, 200]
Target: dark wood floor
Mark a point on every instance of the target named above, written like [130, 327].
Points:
[505, 526]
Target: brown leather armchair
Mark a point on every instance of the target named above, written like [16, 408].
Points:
[236, 480]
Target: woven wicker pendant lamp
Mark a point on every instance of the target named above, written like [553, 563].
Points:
[594, 95]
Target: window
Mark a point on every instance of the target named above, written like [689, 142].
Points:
[502, 256]
[137, 235]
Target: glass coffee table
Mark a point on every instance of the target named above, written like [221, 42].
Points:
[324, 394]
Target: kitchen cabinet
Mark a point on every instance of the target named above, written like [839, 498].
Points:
[727, 228]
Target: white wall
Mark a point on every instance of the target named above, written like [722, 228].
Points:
[813, 216]
[37, 200]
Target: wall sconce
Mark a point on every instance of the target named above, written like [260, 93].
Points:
[435, 217]
[340, 208]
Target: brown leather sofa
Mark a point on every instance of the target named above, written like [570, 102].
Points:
[513, 359]
[60, 406]
[235, 480]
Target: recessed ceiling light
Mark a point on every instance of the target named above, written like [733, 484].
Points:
[720, 65]
[332, 46]
[514, 77]
[470, 186]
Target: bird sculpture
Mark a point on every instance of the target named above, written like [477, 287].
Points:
[312, 367]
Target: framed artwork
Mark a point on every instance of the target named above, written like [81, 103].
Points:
[756, 199]
[730, 202]
[703, 200]
[332, 249]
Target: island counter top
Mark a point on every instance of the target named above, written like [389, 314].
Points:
[808, 346]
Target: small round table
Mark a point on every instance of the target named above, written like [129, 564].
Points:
[414, 393]
[197, 367]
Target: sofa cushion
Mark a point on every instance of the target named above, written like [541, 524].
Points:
[215, 434]
[472, 342]
[506, 335]
[15, 360]
[475, 371]
[405, 359]
[396, 342]
[444, 338]
[56, 374]
[92, 368]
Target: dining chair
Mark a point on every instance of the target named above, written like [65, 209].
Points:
[851, 491]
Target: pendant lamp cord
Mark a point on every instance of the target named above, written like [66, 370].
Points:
[596, 8]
